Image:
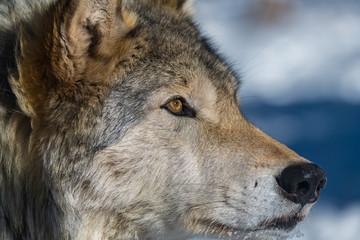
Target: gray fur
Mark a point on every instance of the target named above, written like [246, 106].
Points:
[88, 152]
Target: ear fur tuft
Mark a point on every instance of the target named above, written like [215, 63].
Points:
[75, 48]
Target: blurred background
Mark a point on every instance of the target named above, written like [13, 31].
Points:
[299, 61]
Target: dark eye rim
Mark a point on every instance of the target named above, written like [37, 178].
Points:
[187, 110]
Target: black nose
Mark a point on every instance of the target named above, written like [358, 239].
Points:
[301, 183]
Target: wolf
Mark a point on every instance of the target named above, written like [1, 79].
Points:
[118, 120]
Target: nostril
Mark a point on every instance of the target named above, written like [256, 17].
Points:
[301, 183]
[302, 188]
[322, 184]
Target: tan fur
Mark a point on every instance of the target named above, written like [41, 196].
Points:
[91, 153]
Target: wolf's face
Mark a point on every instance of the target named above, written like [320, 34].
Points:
[192, 161]
[140, 130]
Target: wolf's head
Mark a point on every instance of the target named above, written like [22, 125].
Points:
[137, 130]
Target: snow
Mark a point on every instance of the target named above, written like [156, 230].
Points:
[329, 223]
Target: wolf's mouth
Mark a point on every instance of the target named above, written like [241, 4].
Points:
[282, 223]
[286, 224]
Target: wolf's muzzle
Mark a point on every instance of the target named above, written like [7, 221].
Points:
[301, 183]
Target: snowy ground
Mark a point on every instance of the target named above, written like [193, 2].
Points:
[328, 223]
[309, 53]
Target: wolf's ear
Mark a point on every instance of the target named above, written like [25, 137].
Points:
[71, 46]
[93, 26]
[185, 6]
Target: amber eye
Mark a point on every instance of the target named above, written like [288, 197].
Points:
[179, 107]
[175, 106]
